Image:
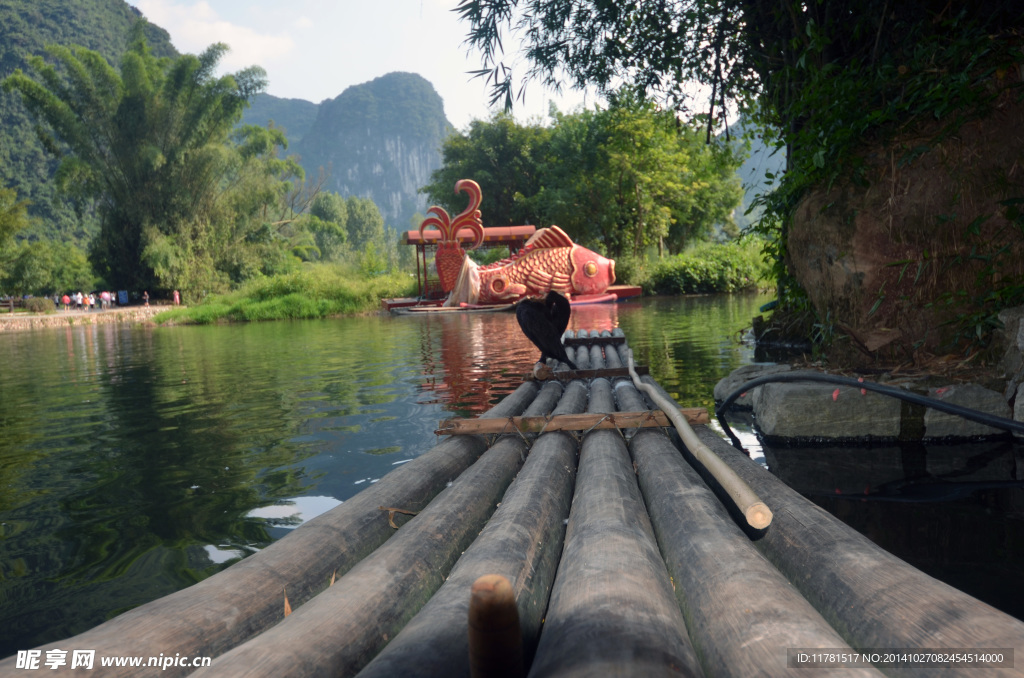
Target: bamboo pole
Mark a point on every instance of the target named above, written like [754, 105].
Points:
[542, 372]
[522, 542]
[755, 511]
[612, 610]
[222, 611]
[495, 642]
[344, 627]
[741, 613]
[873, 598]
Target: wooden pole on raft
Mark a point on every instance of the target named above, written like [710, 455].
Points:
[612, 610]
[756, 513]
[741, 613]
[341, 629]
[522, 541]
[222, 611]
[495, 641]
[874, 599]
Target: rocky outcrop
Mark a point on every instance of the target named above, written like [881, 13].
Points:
[379, 140]
[927, 231]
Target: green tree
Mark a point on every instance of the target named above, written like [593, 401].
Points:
[737, 50]
[13, 215]
[25, 29]
[856, 90]
[44, 267]
[148, 143]
[13, 218]
[328, 219]
[365, 224]
[503, 157]
[631, 176]
[261, 208]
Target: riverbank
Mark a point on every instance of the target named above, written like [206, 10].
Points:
[20, 322]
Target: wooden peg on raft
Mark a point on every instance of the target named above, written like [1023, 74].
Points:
[495, 639]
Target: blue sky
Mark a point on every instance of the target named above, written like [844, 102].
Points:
[314, 49]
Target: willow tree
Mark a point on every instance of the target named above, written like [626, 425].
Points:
[147, 141]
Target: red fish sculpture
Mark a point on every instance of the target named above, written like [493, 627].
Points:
[549, 261]
[449, 253]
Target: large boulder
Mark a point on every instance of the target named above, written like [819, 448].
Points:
[728, 384]
[812, 411]
[973, 396]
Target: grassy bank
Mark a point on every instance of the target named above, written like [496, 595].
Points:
[314, 292]
[711, 267]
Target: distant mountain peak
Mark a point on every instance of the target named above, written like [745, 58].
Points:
[381, 140]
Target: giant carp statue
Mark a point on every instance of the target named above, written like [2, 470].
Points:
[550, 260]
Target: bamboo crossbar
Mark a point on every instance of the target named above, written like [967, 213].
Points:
[598, 341]
[568, 422]
[545, 373]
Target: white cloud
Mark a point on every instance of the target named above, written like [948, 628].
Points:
[313, 49]
[195, 27]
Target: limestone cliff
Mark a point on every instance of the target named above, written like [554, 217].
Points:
[380, 140]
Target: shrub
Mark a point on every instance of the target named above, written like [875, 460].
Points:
[630, 270]
[39, 305]
[315, 291]
[711, 267]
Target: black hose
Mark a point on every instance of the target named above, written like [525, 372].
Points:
[903, 394]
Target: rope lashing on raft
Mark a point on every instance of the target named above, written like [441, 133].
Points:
[392, 511]
[949, 408]
[755, 511]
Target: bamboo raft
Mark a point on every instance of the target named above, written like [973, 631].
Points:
[536, 542]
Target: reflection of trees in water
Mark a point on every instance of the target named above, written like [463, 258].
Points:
[689, 343]
[174, 436]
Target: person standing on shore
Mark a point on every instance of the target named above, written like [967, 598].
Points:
[145, 297]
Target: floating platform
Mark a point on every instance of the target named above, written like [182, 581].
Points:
[617, 550]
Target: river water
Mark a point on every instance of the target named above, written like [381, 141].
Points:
[135, 461]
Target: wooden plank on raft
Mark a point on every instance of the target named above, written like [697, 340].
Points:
[599, 341]
[568, 422]
[544, 373]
